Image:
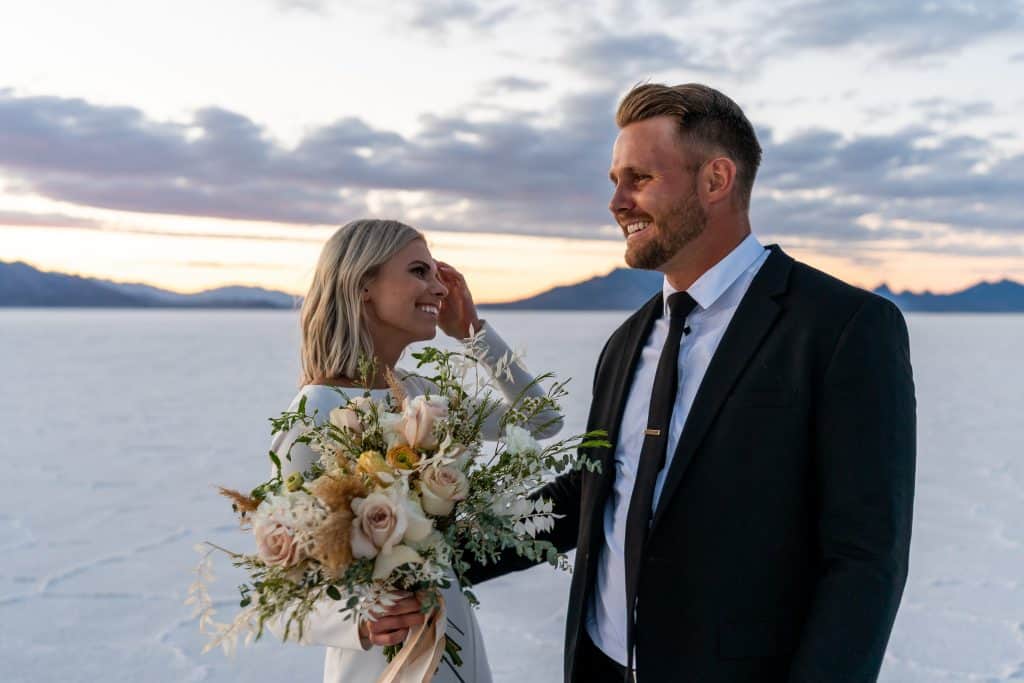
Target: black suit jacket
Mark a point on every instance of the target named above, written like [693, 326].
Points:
[779, 547]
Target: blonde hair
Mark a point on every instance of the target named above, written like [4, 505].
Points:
[334, 336]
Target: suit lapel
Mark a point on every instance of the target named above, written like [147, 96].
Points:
[614, 390]
[634, 342]
[753, 319]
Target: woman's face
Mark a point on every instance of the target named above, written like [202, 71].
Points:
[402, 300]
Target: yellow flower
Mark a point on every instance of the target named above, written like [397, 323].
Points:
[403, 458]
[372, 463]
[294, 481]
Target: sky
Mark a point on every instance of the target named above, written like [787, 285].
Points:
[194, 144]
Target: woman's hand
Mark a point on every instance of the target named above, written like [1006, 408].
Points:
[458, 312]
[393, 623]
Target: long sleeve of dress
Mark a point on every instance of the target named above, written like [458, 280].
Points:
[518, 381]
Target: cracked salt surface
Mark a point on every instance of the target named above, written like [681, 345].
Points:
[118, 424]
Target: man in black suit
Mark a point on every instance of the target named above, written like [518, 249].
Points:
[751, 521]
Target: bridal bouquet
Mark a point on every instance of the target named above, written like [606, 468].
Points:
[403, 497]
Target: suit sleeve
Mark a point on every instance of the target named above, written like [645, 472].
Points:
[865, 444]
[565, 493]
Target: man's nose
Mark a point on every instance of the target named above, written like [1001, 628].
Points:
[622, 200]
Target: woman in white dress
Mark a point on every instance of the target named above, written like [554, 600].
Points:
[376, 290]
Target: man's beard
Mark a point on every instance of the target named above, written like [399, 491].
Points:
[682, 224]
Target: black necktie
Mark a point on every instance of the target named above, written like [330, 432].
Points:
[652, 455]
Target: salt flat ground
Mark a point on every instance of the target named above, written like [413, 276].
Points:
[115, 426]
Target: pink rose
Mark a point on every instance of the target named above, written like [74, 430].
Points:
[383, 520]
[347, 419]
[379, 524]
[440, 488]
[419, 417]
[276, 545]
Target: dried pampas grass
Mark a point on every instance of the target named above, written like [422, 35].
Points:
[336, 493]
[332, 542]
[243, 504]
[395, 384]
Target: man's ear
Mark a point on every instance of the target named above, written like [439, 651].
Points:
[719, 179]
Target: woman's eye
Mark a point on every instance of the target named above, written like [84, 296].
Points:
[420, 271]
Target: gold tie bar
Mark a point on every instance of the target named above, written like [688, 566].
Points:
[650, 431]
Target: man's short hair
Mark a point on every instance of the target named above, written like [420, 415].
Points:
[708, 121]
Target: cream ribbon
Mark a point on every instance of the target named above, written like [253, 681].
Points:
[421, 652]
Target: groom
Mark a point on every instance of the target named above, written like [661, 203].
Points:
[751, 521]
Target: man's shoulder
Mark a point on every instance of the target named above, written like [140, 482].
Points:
[822, 294]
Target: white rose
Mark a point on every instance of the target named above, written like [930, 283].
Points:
[455, 453]
[419, 525]
[363, 404]
[391, 426]
[441, 488]
[387, 562]
[519, 440]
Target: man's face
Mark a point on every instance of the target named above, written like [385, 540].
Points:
[655, 200]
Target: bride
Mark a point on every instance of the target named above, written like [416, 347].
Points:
[376, 290]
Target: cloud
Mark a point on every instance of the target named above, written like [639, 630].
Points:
[17, 219]
[222, 164]
[444, 14]
[311, 6]
[510, 84]
[618, 59]
[945, 110]
[908, 185]
[514, 173]
[902, 29]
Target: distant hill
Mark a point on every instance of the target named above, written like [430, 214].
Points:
[1005, 296]
[24, 286]
[627, 289]
[621, 289]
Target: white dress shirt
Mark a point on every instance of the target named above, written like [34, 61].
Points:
[718, 293]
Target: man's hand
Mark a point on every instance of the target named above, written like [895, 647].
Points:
[393, 623]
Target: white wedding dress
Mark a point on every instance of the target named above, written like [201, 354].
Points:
[346, 661]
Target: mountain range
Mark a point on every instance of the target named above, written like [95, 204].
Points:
[24, 286]
[621, 289]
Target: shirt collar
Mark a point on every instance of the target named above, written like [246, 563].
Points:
[710, 286]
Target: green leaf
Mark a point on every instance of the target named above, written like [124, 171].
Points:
[333, 593]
